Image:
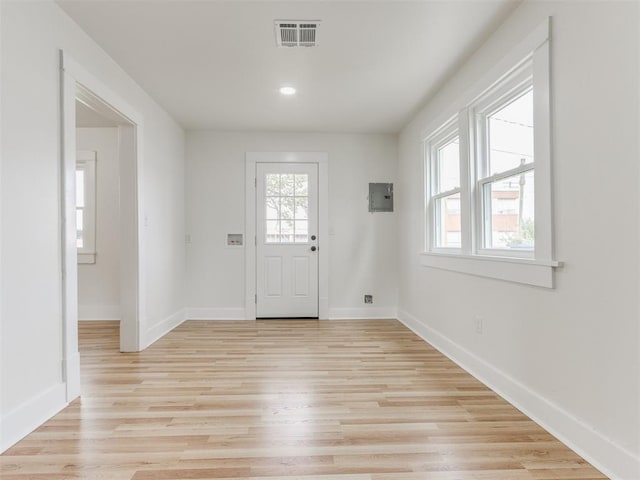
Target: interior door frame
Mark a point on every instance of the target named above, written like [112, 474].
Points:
[251, 161]
[76, 81]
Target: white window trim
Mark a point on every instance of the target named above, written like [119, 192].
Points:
[86, 161]
[501, 264]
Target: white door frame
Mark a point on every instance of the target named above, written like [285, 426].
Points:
[75, 79]
[251, 159]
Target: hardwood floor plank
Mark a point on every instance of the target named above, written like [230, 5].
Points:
[321, 400]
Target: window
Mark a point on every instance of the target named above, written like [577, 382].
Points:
[502, 124]
[86, 207]
[287, 208]
[444, 186]
[487, 169]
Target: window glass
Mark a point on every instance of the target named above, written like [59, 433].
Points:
[448, 225]
[85, 190]
[80, 201]
[509, 213]
[287, 208]
[510, 135]
[79, 227]
[80, 204]
[448, 166]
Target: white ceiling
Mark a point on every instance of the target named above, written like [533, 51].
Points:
[214, 64]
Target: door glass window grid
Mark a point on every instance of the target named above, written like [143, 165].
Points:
[287, 208]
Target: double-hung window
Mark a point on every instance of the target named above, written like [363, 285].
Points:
[86, 206]
[502, 121]
[443, 178]
[487, 174]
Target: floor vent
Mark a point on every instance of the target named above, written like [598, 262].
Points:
[297, 33]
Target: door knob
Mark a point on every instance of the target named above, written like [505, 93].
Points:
[313, 249]
[313, 237]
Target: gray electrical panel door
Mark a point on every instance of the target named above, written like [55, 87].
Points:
[381, 197]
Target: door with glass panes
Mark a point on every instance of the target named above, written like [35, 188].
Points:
[287, 244]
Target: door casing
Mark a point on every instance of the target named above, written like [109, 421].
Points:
[76, 82]
[251, 160]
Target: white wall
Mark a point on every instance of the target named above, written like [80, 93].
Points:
[362, 245]
[568, 356]
[99, 283]
[31, 357]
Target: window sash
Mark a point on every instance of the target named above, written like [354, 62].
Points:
[438, 221]
[485, 213]
[444, 135]
[492, 101]
[435, 156]
[514, 86]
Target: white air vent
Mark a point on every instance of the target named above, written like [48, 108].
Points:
[297, 33]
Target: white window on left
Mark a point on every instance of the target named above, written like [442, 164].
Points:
[443, 189]
[86, 206]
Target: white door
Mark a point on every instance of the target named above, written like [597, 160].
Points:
[287, 240]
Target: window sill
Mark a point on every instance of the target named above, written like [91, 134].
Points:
[86, 258]
[519, 270]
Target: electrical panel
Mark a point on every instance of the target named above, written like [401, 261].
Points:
[381, 197]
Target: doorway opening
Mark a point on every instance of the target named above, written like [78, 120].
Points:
[97, 188]
[99, 204]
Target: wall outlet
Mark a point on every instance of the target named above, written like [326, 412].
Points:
[368, 299]
[479, 325]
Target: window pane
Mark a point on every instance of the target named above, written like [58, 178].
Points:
[286, 231]
[286, 207]
[302, 231]
[447, 222]
[79, 228]
[448, 166]
[302, 208]
[286, 185]
[453, 205]
[509, 211]
[510, 135]
[273, 231]
[79, 188]
[272, 205]
[272, 184]
[302, 184]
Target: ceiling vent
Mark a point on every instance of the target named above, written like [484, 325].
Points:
[297, 33]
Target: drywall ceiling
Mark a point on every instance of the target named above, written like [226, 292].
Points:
[215, 64]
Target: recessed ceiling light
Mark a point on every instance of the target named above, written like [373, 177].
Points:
[287, 90]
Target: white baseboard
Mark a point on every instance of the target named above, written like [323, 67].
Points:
[603, 453]
[362, 312]
[205, 313]
[23, 420]
[161, 328]
[98, 312]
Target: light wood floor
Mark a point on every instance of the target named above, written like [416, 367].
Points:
[328, 400]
